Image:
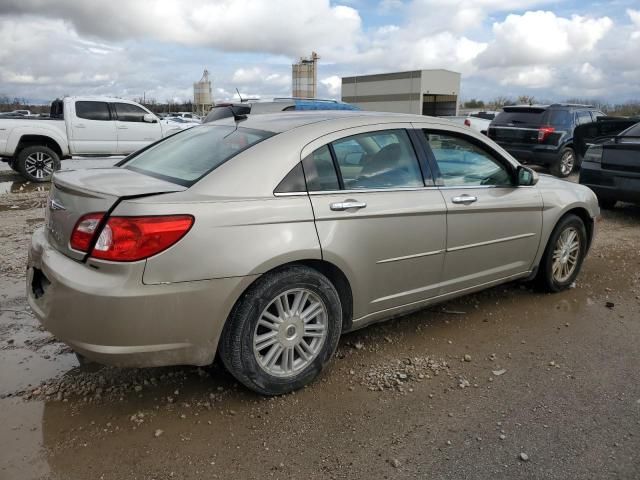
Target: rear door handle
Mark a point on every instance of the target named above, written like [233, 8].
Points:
[79, 125]
[121, 127]
[464, 199]
[346, 205]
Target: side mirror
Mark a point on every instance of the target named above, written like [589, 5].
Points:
[526, 176]
[149, 118]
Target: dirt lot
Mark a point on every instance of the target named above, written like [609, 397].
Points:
[508, 383]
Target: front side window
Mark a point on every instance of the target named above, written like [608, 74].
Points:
[463, 163]
[93, 111]
[186, 157]
[382, 159]
[129, 113]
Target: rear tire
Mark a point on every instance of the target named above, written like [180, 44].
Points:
[565, 164]
[273, 341]
[564, 254]
[37, 163]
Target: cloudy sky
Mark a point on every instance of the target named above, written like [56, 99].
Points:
[550, 49]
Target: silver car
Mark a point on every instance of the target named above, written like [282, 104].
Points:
[264, 239]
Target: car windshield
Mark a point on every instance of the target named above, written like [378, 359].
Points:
[186, 157]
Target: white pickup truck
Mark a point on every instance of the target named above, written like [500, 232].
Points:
[88, 126]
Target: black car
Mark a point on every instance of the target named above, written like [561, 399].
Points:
[542, 134]
[612, 168]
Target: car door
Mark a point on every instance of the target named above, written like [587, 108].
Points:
[92, 129]
[493, 225]
[133, 132]
[375, 217]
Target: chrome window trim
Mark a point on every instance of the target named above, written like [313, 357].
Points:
[372, 190]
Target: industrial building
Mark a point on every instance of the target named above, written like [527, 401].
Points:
[202, 96]
[304, 76]
[421, 92]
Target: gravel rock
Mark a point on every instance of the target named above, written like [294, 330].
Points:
[467, 358]
[524, 457]
[395, 374]
[158, 432]
[395, 463]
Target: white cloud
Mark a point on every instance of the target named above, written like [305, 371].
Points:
[542, 38]
[332, 84]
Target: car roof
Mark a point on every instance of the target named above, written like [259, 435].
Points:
[285, 121]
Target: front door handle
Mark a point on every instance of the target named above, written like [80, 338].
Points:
[122, 127]
[346, 205]
[464, 199]
[79, 125]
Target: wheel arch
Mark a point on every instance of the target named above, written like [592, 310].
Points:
[335, 275]
[30, 140]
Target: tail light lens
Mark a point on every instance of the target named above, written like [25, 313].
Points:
[128, 239]
[84, 230]
[467, 122]
[593, 154]
[544, 133]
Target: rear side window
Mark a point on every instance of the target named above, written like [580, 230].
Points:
[382, 159]
[320, 172]
[560, 118]
[186, 157]
[583, 117]
[129, 113]
[93, 110]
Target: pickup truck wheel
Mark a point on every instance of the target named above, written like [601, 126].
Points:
[283, 331]
[565, 165]
[38, 163]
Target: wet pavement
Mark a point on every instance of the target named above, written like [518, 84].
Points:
[552, 376]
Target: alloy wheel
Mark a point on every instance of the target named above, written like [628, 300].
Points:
[39, 165]
[567, 162]
[290, 332]
[566, 255]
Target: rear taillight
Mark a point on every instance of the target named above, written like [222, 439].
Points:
[128, 239]
[84, 230]
[593, 154]
[467, 122]
[544, 132]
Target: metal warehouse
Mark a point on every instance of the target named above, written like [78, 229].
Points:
[422, 92]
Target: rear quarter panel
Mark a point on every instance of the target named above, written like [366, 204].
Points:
[16, 129]
[231, 238]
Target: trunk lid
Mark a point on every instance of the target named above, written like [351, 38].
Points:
[75, 193]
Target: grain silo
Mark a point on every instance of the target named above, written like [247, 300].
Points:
[202, 97]
[305, 77]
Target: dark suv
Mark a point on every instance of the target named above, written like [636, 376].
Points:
[542, 134]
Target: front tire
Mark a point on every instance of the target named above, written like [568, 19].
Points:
[283, 331]
[564, 254]
[565, 165]
[37, 163]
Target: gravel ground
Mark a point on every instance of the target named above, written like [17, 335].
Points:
[508, 383]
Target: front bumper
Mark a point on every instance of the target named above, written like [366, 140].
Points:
[104, 311]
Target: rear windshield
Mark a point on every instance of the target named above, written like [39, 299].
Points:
[525, 116]
[632, 132]
[186, 157]
[535, 117]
